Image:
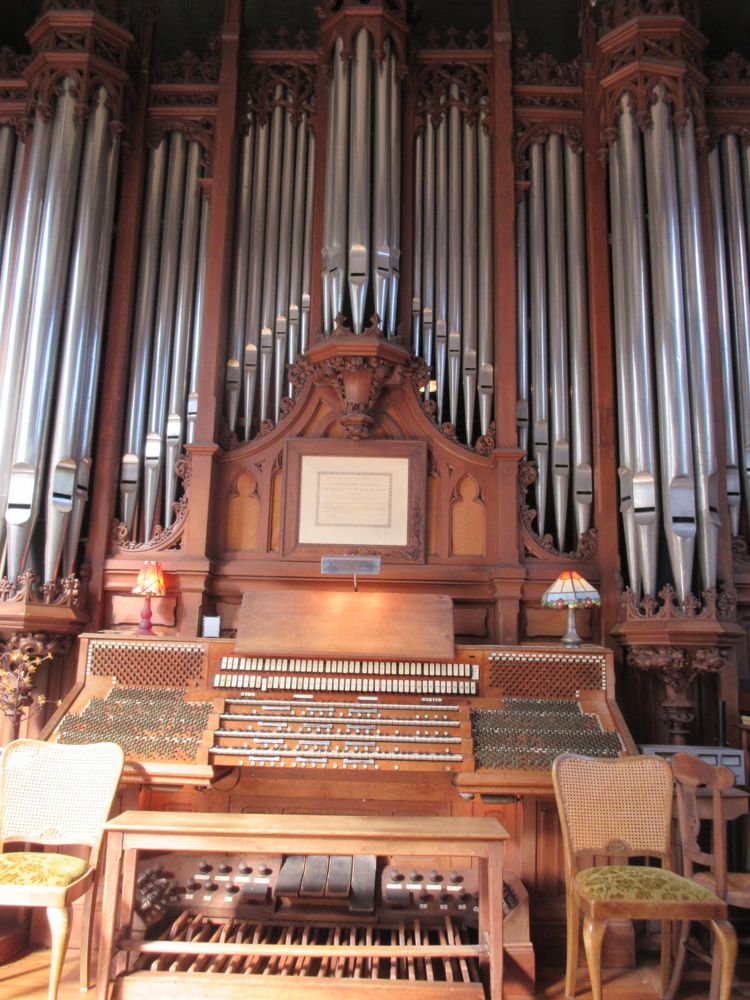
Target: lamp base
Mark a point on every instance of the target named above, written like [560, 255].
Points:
[145, 627]
[571, 637]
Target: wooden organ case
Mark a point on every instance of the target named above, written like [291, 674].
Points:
[322, 700]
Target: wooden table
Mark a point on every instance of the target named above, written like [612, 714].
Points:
[136, 830]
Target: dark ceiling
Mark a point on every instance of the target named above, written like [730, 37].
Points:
[551, 25]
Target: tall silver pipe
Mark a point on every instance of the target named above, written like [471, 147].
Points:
[153, 459]
[271, 262]
[522, 327]
[381, 192]
[740, 293]
[196, 340]
[285, 251]
[395, 200]
[725, 340]
[143, 327]
[93, 359]
[469, 276]
[238, 307]
[359, 178]
[675, 437]
[557, 332]
[255, 274]
[7, 161]
[633, 216]
[623, 350]
[580, 373]
[298, 245]
[304, 330]
[16, 284]
[696, 314]
[455, 250]
[440, 315]
[183, 322]
[72, 377]
[416, 281]
[539, 346]
[427, 184]
[340, 184]
[45, 321]
[486, 297]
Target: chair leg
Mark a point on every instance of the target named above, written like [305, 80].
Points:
[679, 962]
[725, 940]
[59, 925]
[571, 959]
[593, 936]
[665, 958]
[87, 925]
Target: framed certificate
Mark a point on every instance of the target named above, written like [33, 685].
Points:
[354, 496]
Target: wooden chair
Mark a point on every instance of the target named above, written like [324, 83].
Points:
[52, 794]
[621, 808]
[692, 774]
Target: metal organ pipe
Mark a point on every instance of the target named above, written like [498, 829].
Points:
[93, 359]
[440, 315]
[391, 318]
[143, 322]
[183, 321]
[486, 300]
[16, 282]
[455, 250]
[416, 297]
[557, 331]
[469, 276]
[522, 327]
[359, 177]
[281, 323]
[45, 320]
[623, 349]
[7, 160]
[255, 272]
[670, 347]
[239, 284]
[339, 184]
[304, 335]
[428, 247]
[382, 193]
[580, 373]
[539, 345]
[738, 270]
[196, 341]
[642, 415]
[297, 246]
[704, 438]
[725, 339]
[153, 461]
[271, 259]
[72, 376]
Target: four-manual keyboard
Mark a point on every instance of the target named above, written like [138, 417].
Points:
[342, 734]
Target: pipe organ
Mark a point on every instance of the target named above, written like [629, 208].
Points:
[375, 287]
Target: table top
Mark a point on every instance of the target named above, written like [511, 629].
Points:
[467, 830]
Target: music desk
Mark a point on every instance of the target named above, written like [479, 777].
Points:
[135, 830]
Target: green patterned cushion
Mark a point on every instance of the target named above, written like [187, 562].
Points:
[628, 882]
[36, 868]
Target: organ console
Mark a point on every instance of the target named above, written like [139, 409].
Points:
[207, 725]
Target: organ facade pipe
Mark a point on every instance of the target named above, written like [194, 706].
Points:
[455, 251]
[522, 328]
[281, 319]
[538, 332]
[72, 375]
[45, 321]
[304, 335]
[271, 255]
[469, 290]
[143, 324]
[418, 344]
[428, 246]
[485, 311]
[7, 164]
[16, 282]
[297, 248]
[238, 307]
[441, 261]
[196, 342]
[670, 347]
[360, 165]
[580, 369]
[153, 456]
[725, 338]
[251, 359]
[628, 149]
[699, 358]
[183, 322]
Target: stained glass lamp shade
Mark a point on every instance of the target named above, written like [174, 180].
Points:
[570, 591]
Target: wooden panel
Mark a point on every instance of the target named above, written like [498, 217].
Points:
[126, 610]
[467, 519]
[303, 623]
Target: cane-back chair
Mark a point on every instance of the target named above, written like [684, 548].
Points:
[55, 795]
[691, 775]
[621, 809]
